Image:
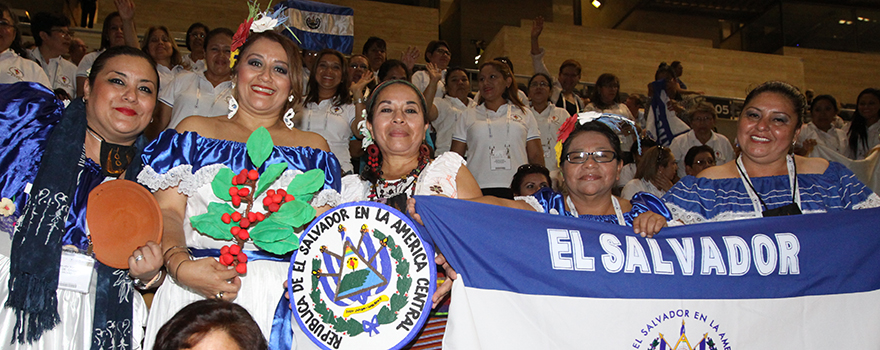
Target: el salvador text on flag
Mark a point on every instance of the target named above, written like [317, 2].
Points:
[531, 280]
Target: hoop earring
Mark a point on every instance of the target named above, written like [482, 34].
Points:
[232, 104]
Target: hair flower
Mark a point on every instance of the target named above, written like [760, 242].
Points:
[263, 23]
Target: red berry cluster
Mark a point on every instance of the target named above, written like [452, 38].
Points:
[274, 199]
[233, 254]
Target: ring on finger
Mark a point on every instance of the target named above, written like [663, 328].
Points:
[219, 295]
[139, 258]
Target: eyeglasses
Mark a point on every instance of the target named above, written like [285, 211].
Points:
[707, 162]
[309, 53]
[598, 157]
[443, 52]
[702, 119]
[197, 35]
[539, 84]
[63, 32]
[358, 66]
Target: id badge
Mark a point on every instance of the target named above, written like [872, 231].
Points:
[76, 271]
[500, 162]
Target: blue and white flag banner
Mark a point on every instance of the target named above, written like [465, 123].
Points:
[320, 26]
[537, 281]
[663, 125]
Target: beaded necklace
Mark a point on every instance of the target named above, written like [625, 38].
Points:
[386, 191]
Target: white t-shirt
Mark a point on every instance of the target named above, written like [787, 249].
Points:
[194, 66]
[333, 123]
[14, 69]
[167, 75]
[61, 72]
[496, 140]
[873, 140]
[549, 122]
[421, 79]
[639, 185]
[834, 138]
[192, 94]
[628, 172]
[449, 109]
[85, 65]
[682, 143]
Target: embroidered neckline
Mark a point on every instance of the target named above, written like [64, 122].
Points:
[385, 189]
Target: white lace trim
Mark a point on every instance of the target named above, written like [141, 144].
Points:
[532, 201]
[155, 181]
[873, 201]
[327, 197]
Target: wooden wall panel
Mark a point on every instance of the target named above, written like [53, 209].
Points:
[842, 74]
[634, 57]
[399, 25]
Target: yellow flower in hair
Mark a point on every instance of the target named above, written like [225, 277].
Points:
[233, 56]
[558, 149]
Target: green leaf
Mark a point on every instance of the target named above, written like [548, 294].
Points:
[279, 247]
[404, 282]
[385, 316]
[222, 182]
[306, 183]
[210, 223]
[293, 214]
[259, 146]
[398, 301]
[269, 231]
[268, 177]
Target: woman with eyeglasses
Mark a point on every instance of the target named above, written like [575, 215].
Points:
[548, 116]
[195, 43]
[655, 173]
[698, 159]
[14, 67]
[590, 165]
[438, 54]
[702, 117]
[767, 179]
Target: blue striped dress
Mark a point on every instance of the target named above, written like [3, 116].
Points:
[695, 200]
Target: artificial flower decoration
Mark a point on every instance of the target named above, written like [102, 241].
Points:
[613, 121]
[368, 138]
[7, 207]
[257, 22]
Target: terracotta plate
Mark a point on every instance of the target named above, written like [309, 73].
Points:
[122, 216]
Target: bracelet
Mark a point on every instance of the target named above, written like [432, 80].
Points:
[360, 100]
[141, 286]
[176, 270]
[173, 248]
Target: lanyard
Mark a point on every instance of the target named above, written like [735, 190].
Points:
[489, 122]
[617, 211]
[757, 202]
[326, 116]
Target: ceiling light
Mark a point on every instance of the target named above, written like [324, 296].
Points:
[597, 3]
[841, 22]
